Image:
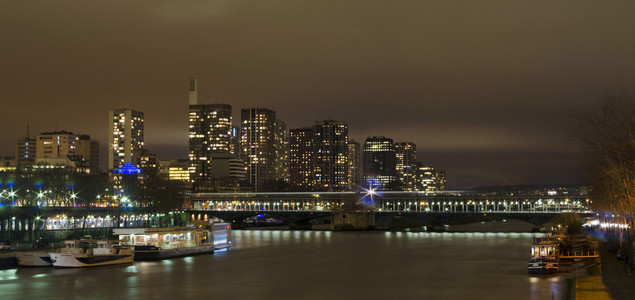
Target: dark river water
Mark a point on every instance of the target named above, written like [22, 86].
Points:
[311, 265]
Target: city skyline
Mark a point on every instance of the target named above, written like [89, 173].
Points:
[490, 104]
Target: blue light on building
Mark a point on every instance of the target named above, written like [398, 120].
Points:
[128, 169]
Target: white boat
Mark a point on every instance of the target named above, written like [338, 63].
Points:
[33, 259]
[91, 253]
[161, 243]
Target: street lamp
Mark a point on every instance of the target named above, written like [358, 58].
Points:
[12, 195]
[371, 192]
[11, 225]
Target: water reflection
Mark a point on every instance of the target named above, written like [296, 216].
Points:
[313, 265]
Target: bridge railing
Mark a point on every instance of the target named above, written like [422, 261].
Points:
[431, 204]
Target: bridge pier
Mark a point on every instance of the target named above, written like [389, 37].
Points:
[353, 220]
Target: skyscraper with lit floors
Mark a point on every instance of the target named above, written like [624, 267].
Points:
[379, 163]
[406, 155]
[330, 156]
[258, 147]
[125, 137]
[210, 132]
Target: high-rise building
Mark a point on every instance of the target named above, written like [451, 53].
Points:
[258, 149]
[210, 131]
[330, 156]
[25, 151]
[406, 155]
[234, 146]
[429, 179]
[125, 135]
[353, 165]
[379, 163]
[301, 178]
[281, 164]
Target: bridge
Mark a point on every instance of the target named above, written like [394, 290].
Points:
[293, 207]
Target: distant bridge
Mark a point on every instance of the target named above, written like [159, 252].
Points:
[302, 206]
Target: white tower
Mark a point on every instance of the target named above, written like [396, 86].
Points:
[193, 92]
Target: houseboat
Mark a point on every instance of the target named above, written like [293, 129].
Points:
[161, 243]
[91, 253]
[545, 253]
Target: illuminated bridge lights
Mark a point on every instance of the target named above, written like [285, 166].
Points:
[389, 202]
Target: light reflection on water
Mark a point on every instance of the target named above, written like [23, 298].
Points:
[313, 265]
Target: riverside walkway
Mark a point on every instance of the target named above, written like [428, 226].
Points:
[614, 281]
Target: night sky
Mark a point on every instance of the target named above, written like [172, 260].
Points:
[486, 89]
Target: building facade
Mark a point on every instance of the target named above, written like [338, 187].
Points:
[227, 166]
[301, 178]
[379, 163]
[258, 147]
[281, 164]
[429, 179]
[64, 147]
[330, 156]
[7, 163]
[25, 151]
[125, 136]
[89, 150]
[57, 144]
[210, 131]
[353, 165]
[176, 170]
[406, 159]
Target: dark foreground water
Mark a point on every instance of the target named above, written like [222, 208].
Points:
[311, 265]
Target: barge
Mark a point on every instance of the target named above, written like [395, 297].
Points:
[162, 243]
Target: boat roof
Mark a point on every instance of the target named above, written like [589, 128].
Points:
[128, 231]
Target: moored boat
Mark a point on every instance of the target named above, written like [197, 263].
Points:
[543, 266]
[161, 243]
[544, 255]
[91, 253]
[33, 259]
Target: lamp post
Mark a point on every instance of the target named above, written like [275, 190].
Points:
[36, 222]
[73, 197]
[11, 223]
[12, 195]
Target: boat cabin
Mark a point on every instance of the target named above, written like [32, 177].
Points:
[165, 238]
[545, 248]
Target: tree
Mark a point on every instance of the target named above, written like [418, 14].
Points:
[607, 139]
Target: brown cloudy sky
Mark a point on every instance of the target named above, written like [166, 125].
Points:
[486, 89]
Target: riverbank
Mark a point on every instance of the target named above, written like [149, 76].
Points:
[613, 280]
